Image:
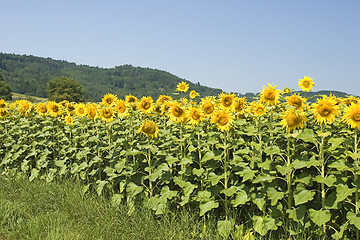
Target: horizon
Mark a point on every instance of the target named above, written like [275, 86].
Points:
[236, 46]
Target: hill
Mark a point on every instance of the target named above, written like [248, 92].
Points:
[28, 75]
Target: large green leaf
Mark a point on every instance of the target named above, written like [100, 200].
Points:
[303, 196]
[205, 207]
[319, 217]
[343, 191]
[274, 195]
[353, 219]
[307, 135]
[240, 198]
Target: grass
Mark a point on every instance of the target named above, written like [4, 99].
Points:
[40, 210]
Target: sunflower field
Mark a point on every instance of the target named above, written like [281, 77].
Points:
[277, 166]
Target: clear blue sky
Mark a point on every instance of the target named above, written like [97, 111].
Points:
[237, 46]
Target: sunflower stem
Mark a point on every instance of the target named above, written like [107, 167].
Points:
[289, 179]
[150, 170]
[226, 158]
[322, 162]
[356, 178]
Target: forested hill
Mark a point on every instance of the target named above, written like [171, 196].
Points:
[29, 74]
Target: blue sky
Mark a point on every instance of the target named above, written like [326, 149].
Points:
[237, 46]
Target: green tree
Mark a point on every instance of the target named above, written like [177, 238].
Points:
[64, 88]
[5, 91]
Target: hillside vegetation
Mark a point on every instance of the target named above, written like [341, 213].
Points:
[29, 75]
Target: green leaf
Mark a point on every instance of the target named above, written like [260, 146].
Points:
[100, 186]
[273, 149]
[247, 174]
[205, 207]
[116, 199]
[171, 160]
[274, 195]
[203, 196]
[167, 193]
[308, 135]
[328, 180]
[303, 196]
[214, 179]
[283, 170]
[240, 198]
[353, 219]
[185, 161]
[230, 191]
[263, 224]
[339, 234]
[198, 172]
[225, 227]
[263, 177]
[298, 164]
[320, 217]
[34, 174]
[298, 213]
[132, 190]
[207, 156]
[338, 165]
[342, 192]
[259, 200]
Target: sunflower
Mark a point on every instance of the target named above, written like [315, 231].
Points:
[226, 100]
[80, 109]
[269, 95]
[69, 120]
[350, 100]
[258, 109]
[176, 113]
[54, 109]
[325, 110]
[352, 115]
[239, 106]
[24, 107]
[223, 119]
[193, 94]
[109, 99]
[91, 110]
[296, 101]
[121, 108]
[182, 87]
[162, 99]
[194, 115]
[70, 108]
[149, 128]
[292, 119]
[306, 84]
[41, 109]
[3, 104]
[64, 103]
[4, 113]
[207, 105]
[107, 114]
[286, 91]
[145, 104]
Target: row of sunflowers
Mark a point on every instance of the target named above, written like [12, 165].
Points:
[220, 111]
[266, 168]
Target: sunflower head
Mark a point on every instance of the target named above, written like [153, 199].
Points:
[296, 101]
[54, 109]
[258, 109]
[194, 115]
[182, 87]
[270, 95]
[176, 113]
[121, 108]
[91, 110]
[193, 94]
[149, 128]
[4, 113]
[207, 105]
[69, 120]
[352, 116]
[70, 108]
[286, 91]
[3, 104]
[24, 107]
[162, 99]
[109, 99]
[107, 114]
[223, 119]
[239, 106]
[41, 109]
[306, 84]
[292, 119]
[80, 109]
[325, 110]
[226, 100]
[350, 100]
[145, 104]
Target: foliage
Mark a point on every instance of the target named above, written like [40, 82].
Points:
[250, 166]
[29, 75]
[5, 91]
[63, 88]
